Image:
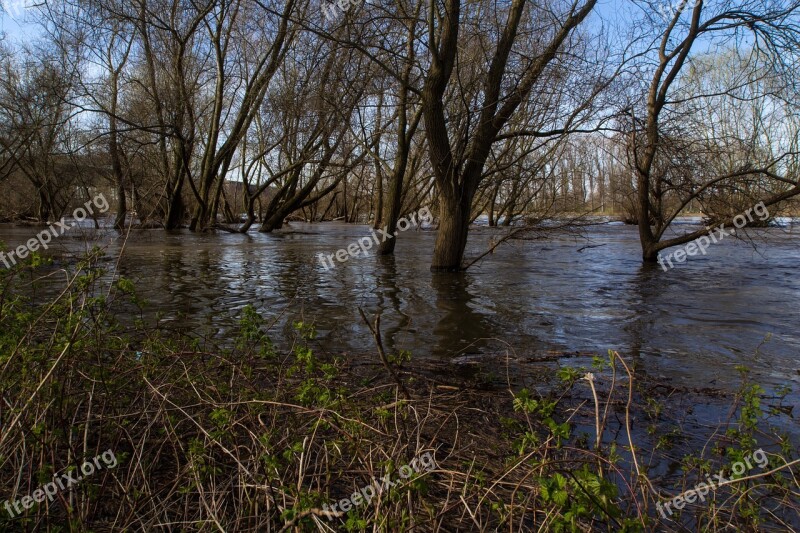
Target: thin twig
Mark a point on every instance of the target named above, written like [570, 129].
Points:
[376, 334]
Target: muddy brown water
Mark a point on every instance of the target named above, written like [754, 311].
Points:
[562, 298]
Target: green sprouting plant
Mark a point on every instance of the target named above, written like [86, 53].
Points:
[295, 449]
[691, 462]
[751, 412]
[307, 331]
[329, 371]
[751, 406]
[253, 333]
[559, 431]
[126, 287]
[355, 522]
[198, 460]
[36, 260]
[501, 509]
[585, 495]
[542, 409]
[599, 364]
[403, 356]
[221, 418]
[526, 442]
[304, 358]
[669, 439]
[524, 402]
[303, 501]
[783, 391]
[569, 375]
[653, 408]
[310, 393]
[613, 455]
[383, 414]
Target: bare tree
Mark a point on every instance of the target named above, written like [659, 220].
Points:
[39, 139]
[669, 160]
[458, 157]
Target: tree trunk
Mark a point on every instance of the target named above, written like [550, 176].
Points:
[273, 222]
[176, 209]
[394, 205]
[376, 221]
[451, 239]
[119, 175]
[44, 207]
[492, 202]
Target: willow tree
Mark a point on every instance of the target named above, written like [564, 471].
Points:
[676, 158]
[37, 125]
[389, 36]
[305, 139]
[521, 40]
[249, 40]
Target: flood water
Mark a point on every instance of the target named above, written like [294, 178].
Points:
[568, 294]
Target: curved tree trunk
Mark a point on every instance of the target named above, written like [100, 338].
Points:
[251, 217]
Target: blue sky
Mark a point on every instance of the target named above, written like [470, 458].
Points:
[14, 27]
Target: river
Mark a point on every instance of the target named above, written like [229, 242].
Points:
[565, 297]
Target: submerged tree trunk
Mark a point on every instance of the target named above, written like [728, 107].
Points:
[451, 239]
[394, 205]
[176, 209]
[273, 222]
[44, 207]
[459, 173]
[378, 218]
[492, 202]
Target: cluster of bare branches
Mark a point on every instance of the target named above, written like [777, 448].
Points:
[230, 113]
